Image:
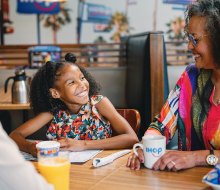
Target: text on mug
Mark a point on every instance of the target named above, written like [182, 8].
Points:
[154, 151]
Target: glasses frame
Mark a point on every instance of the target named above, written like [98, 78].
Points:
[195, 40]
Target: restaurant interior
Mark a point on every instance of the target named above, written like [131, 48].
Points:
[135, 49]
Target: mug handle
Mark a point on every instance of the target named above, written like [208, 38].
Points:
[135, 148]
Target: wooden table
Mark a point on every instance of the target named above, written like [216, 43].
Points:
[116, 176]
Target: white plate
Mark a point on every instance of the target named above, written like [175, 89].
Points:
[214, 186]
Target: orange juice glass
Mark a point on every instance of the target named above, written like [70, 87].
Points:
[56, 170]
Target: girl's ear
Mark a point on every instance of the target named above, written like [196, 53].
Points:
[54, 93]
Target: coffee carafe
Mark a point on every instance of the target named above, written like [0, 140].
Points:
[20, 88]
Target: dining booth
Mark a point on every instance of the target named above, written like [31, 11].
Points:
[132, 74]
[146, 78]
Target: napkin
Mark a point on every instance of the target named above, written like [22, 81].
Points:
[97, 162]
[83, 156]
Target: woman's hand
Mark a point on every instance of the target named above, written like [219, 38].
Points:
[72, 144]
[134, 162]
[171, 160]
[176, 160]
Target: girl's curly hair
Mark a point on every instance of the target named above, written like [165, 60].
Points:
[209, 9]
[44, 79]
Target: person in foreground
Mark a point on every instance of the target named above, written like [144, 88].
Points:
[16, 173]
[193, 106]
[65, 97]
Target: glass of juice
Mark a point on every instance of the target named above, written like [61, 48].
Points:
[55, 168]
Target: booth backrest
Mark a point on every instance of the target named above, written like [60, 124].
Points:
[147, 82]
[88, 55]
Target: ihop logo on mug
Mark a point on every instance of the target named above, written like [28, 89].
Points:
[156, 152]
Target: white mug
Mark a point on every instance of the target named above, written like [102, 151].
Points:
[154, 146]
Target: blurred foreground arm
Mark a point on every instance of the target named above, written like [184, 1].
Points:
[14, 169]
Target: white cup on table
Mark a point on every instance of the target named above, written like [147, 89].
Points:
[153, 146]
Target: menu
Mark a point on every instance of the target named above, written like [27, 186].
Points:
[75, 157]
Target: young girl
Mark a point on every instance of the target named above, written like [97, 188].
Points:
[65, 97]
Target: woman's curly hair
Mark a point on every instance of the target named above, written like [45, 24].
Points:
[44, 79]
[210, 9]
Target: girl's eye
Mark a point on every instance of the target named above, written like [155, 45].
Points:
[71, 82]
[83, 78]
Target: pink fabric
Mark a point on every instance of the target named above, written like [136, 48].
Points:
[185, 100]
[211, 129]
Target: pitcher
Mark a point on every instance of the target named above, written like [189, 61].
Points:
[20, 89]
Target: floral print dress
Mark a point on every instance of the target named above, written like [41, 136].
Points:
[87, 124]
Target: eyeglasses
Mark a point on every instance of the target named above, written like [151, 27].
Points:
[194, 40]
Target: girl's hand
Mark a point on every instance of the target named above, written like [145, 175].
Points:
[176, 160]
[134, 162]
[32, 149]
[72, 144]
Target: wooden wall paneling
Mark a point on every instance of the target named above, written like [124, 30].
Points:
[156, 72]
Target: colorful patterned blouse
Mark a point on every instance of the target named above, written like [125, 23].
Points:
[190, 109]
[88, 124]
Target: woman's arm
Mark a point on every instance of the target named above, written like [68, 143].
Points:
[165, 123]
[28, 128]
[125, 135]
[174, 160]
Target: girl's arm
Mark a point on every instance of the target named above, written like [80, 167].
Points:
[28, 128]
[125, 135]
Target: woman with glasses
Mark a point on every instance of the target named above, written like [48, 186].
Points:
[193, 106]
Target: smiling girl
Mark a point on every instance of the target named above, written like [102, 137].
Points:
[66, 99]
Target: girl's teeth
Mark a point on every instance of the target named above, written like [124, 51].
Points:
[82, 94]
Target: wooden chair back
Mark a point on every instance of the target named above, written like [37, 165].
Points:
[132, 116]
